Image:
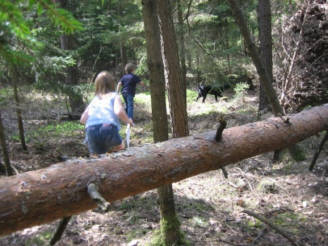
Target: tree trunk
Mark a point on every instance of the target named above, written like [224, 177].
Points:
[169, 225]
[173, 72]
[124, 59]
[5, 154]
[67, 42]
[265, 37]
[19, 118]
[265, 79]
[182, 50]
[44, 195]
[123, 55]
[156, 76]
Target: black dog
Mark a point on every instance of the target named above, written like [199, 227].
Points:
[203, 90]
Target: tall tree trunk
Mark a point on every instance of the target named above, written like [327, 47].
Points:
[4, 148]
[169, 225]
[124, 59]
[265, 37]
[182, 50]
[41, 196]
[172, 69]
[67, 42]
[19, 118]
[155, 65]
[265, 79]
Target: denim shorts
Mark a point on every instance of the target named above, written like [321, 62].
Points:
[101, 138]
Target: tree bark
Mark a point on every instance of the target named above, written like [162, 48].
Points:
[41, 196]
[265, 37]
[5, 154]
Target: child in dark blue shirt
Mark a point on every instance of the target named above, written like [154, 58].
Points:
[128, 83]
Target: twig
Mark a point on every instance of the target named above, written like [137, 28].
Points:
[264, 220]
[188, 10]
[227, 242]
[261, 234]
[317, 153]
[97, 197]
[60, 230]
[296, 50]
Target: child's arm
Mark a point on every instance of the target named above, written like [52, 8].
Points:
[119, 84]
[84, 116]
[120, 111]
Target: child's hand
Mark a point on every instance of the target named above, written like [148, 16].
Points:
[130, 121]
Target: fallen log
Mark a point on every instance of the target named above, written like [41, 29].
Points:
[44, 195]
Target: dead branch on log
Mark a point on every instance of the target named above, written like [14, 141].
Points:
[224, 171]
[218, 137]
[220, 129]
[97, 197]
[277, 229]
[317, 153]
[60, 230]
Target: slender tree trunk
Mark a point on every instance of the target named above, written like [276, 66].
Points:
[156, 70]
[182, 50]
[124, 59]
[19, 118]
[265, 79]
[67, 42]
[265, 37]
[44, 195]
[173, 72]
[4, 148]
[169, 234]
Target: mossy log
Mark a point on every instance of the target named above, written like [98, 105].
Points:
[44, 195]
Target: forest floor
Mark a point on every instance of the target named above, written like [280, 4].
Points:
[210, 207]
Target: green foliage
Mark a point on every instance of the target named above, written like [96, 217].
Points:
[16, 24]
[191, 96]
[64, 129]
[40, 240]
[240, 89]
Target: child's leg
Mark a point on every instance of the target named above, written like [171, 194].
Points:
[125, 97]
[130, 100]
[112, 138]
[118, 148]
